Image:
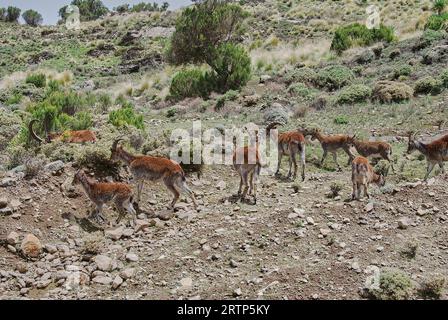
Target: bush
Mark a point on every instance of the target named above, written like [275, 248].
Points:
[335, 189]
[12, 14]
[2, 14]
[126, 116]
[88, 9]
[444, 78]
[301, 90]
[429, 37]
[192, 82]
[32, 18]
[38, 79]
[341, 120]
[354, 94]
[402, 70]
[432, 288]
[428, 85]
[305, 75]
[335, 77]
[105, 102]
[231, 63]
[34, 165]
[391, 91]
[359, 35]
[96, 157]
[393, 285]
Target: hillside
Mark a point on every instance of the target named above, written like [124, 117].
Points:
[302, 240]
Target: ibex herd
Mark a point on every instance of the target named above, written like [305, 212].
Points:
[292, 143]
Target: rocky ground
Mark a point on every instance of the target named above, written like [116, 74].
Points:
[297, 243]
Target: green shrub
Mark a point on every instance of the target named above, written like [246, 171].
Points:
[38, 79]
[335, 77]
[359, 35]
[341, 120]
[126, 116]
[428, 85]
[402, 70]
[444, 78]
[305, 75]
[12, 14]
[232, 68]
[354, 94]
[429, 37]
[301, 90]
[171, 113]
[32, 18]
[192, 82]
[105, 102]
[432, 288]
[437, 22]
[393, 285]
[88, 9]
[14, 99]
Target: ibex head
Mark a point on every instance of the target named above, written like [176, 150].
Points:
[412, 143]
[115, 150]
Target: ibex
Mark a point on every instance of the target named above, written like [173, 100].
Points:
[79, 136]
[436, 152]
[154, 169]
[374, 149]
[290, 143]
[101, 193]
[332, 143]
[362, 176]
[247, 170]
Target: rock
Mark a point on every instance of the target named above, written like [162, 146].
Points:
[221, 185]
[15, 204]
[186, 283]
[310, 220]
[265, 78]
[31, 246]
[325, 232]
[114, 234]
[54, 166]
[165, 216]
[421, 212]
[103, 263]
[3, 202]
[117, 282]
[404, 223]
[8, 182]
[127, 273]
[50, 248]
[233, 263]
[13, 238]
[300, 212]
[143, 224]
[6, 211]
[237, 292]
[369, 207]
[131, 257]
[104, 280]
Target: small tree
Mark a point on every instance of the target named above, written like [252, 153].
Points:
[164, 6]
[439, 6]
[12, 14]
[88, 9]
[2, 14]
[32, 18]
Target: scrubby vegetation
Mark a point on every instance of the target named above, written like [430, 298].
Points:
[393, 285]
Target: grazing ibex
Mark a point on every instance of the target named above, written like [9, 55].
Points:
[101, 193]
[362, 176]
[154, 169]
[436, 152]
[332, 143]
[374, 149]
[79, 136]
[290, 144]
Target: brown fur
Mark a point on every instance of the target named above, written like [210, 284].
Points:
[374, 149]
[101, 193]
[247, 171]
[79, 136]
[154, 169]
[436, 152]
[362, 176]
[332, 143]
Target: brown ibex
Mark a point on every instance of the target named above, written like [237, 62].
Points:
[362, 176]
[101, 193]
[436, 152]
[153, 169]
[374, 149]
[79, 136]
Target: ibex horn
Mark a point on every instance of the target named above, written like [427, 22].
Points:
[32, 133]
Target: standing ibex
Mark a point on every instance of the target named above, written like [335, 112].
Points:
[374, 149]
[290, 144]
[101, 193]
[436, 152]
[154, 169]
[79, 136]
[247, 170]
[332, 143]
[362, 176]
